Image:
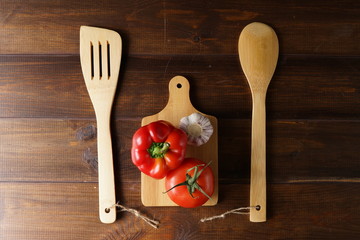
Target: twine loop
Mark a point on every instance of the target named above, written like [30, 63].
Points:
[241, 211]
[153, 223]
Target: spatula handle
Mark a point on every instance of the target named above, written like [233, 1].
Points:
[107, 211]
[258, 160]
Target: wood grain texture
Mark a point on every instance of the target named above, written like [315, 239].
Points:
[173, 27]
[41, 150]
[297, 211]
[303, 87]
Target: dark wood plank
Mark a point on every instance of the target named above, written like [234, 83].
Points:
[296, 150]
[56, 151]
[303, 87]
[35, 84]
[44, 150]
[176, 27]
[69, 211]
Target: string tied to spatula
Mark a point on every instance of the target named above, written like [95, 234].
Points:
[240, 211]
[152, 222]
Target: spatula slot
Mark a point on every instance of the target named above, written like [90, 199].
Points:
[100, 60]
[92, 59]
[108, 59]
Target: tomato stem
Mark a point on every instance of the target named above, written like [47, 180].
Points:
[191, 181]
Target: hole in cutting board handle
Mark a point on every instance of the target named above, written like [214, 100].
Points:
[179, 85]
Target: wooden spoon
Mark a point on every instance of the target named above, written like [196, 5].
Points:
[258, 51]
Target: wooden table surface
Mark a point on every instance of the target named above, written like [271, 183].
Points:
[48, 183]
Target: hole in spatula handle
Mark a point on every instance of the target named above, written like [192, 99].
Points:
[179, 85]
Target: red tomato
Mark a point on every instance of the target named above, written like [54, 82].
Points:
[181, 194]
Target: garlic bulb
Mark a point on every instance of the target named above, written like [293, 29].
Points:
[198, 128]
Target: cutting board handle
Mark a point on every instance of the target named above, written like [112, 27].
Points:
[179, 96]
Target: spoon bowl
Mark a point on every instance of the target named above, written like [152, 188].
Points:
[258, 51]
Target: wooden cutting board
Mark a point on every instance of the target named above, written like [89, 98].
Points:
[178, 106]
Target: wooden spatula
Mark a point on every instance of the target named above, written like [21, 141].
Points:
[100, 55]
[258, 51]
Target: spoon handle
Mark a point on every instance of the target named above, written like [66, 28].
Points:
[258, 160]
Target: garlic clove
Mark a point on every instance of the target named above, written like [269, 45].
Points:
[198, 128]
